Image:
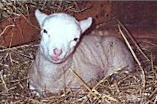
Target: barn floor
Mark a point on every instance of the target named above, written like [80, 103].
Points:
[127, 88]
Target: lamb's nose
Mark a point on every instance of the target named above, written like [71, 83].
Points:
[57, 52]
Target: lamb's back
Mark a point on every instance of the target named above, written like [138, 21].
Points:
[105, 54]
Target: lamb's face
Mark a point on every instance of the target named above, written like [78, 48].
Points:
[60, 34]
[59, 37]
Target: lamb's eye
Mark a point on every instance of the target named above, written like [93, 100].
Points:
[75, 39]
[45, 31]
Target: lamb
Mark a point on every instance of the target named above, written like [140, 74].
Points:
[62, 47]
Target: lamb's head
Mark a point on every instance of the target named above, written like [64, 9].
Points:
[60, 34]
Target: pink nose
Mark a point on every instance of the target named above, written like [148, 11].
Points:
[57, 52]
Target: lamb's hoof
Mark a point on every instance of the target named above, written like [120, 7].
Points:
[34, 91]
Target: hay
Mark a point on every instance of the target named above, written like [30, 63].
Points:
[18, 7]
[119, 88]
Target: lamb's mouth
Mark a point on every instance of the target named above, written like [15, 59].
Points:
[57, 60]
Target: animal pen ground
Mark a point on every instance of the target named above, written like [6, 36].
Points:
[19, 38]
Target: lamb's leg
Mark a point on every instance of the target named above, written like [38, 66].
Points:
[89, 72]
[33, 84]
[34, 90]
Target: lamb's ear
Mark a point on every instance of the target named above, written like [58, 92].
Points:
[40, 16]
[85, 24]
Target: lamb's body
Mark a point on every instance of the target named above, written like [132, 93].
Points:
[92, 58]
[95, 57]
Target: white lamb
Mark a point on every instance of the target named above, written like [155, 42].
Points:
[62, 47]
